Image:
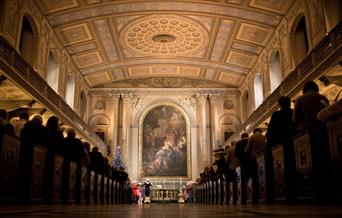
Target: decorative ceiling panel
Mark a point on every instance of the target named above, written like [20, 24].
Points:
[231, 78]
[163, 35]
[278, 6]
[90, 2]
[75, 34]
[223, 36]
[247, 47]
[253, 34]
[129, 39]
[205, 21]
[98, 78]
[81, 48]
[124, 20]
[167, 61]
[210, 74]
[106, 38]
[50, 6]
[88, 59]
[162, 7]
[190, 71]
[165, 82]
[165, 70]
[118, 74]
[139, 71]
[243, 60]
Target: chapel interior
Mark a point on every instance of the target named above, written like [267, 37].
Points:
[109, 69]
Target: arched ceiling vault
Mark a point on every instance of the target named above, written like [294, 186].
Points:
[118, 42]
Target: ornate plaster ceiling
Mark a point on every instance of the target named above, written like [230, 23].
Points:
[115, 41]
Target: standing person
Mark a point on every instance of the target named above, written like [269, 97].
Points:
[280, 130]
[306, 110]
[232, 162]
[19, 125]
[147, 186]
[33, 133]
[56, 145]
[256, 145]
[307, 107]
[73, 151]
[4, 124]
[244, 165]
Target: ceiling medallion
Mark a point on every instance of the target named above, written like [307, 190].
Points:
[163, 38]
[164, 35]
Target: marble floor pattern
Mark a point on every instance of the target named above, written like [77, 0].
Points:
[169, 211]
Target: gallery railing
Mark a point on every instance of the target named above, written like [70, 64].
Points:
[325, 55]
[22, 74]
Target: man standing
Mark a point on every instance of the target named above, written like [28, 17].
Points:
[256, 144]
[244, 162]
[305, 117]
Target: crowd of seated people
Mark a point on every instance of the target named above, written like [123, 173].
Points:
[51, 139]
[310, 114]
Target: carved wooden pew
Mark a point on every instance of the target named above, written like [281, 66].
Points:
[9, 167]
[261, 175]
[278, 167]
[38, 169]
[335, 141]
[57, 179]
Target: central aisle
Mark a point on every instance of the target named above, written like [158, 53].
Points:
[168, 211]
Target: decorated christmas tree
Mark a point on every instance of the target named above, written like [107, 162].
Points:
[118, 163]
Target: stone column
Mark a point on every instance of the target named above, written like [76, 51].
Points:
[125, 130]
[213, 100]
[204, 155]
[114, 119]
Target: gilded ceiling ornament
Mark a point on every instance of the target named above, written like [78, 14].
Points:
[164, 35]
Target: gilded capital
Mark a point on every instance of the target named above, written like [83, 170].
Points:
[213, 98]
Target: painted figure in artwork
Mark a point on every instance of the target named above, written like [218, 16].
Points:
[164, 142]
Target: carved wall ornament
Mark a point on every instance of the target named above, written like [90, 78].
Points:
[228, 104]
[168, 82]
[99, 120]
[100, 105]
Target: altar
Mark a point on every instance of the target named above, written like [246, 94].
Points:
[164, 195]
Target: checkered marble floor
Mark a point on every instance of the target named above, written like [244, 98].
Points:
[169, 211]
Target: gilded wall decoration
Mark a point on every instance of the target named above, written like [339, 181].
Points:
[164, 149]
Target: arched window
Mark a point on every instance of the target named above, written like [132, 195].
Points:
[300, 45]
[52, 75]
[27, 46]
[70, 90]
[99, 123]
[258, 90]
[83, 104]
[275, 71]
[245, 105]
[332, 13]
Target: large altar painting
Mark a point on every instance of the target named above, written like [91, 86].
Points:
[164, 151]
